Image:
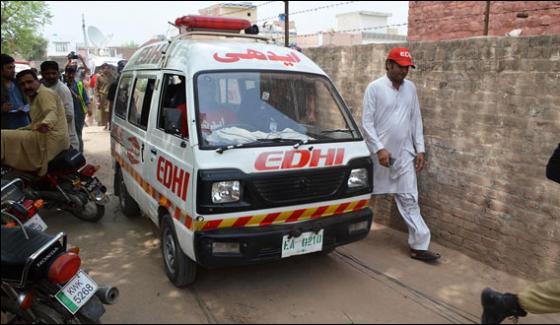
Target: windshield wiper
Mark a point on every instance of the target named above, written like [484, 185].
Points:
[296, 143]
[338, 130]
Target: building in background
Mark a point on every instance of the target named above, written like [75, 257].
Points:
[435, 20]
[243, 10]
[355, 28]
[59, 46]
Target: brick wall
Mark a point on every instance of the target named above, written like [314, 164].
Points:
[491, 111]
[440, 20]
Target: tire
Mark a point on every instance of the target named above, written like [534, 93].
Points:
[91, 212]
[180, 269]
[128, 205]
[46, 315]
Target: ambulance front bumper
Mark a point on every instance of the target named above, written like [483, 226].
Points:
[264, 244]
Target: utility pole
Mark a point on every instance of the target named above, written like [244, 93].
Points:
[286, 25]
[486, 18]
[85, 35]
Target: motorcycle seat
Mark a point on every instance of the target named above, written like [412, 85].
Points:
[16, 249]
[68, 160]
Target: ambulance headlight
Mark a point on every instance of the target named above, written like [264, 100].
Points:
[358, 178]
[226, 192]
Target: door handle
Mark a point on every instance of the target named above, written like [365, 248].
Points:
[153, 151]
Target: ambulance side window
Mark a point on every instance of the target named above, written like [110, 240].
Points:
[122, 96]
[172, 117]
[140, 102]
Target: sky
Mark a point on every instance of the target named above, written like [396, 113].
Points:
[139, 21]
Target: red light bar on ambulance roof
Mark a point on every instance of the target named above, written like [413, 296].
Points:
[191, 22]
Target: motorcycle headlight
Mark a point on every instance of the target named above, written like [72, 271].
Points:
[358, 178]
[226, 192]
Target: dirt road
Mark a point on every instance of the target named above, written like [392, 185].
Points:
[371, 281]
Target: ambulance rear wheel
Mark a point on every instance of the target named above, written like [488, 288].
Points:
[129, 207]
[180, 269]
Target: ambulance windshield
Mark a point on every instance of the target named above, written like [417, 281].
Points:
[244, 108]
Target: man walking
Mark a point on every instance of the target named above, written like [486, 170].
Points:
[393, 127]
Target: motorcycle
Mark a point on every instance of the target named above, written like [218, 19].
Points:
[69, 184]
[42, 281]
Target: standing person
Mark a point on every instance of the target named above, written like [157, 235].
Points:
[394, 133]
[89, 91]
[93, 96]
[14, 107]
[81, 102]
[537, 298]
[32, 147]
[103, 82]
[51, 79]
[113, 88]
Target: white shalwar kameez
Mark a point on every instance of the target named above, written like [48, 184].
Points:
[391, 120]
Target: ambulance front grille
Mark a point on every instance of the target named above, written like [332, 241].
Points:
[301, 186]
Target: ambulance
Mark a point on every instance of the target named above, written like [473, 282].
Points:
[240, 151]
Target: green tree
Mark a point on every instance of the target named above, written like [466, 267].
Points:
[21, 21]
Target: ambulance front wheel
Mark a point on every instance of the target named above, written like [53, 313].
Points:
[129, 207]
[180, 269]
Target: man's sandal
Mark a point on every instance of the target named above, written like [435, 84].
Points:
[426, 256]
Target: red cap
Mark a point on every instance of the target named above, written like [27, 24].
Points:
[402, 56]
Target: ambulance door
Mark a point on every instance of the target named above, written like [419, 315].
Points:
[170, 155]
[143, 90]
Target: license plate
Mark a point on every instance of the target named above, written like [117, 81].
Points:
[77, 292]
[36, 223]
[308, 242]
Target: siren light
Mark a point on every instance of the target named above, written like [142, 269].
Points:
[215, 23]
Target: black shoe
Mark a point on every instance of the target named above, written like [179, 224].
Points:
[497, 306]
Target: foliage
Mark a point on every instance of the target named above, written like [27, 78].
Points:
[21, 23]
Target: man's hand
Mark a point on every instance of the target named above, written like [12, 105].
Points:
[43, 127]
[420, 162]
[384, 157]
[6, 107]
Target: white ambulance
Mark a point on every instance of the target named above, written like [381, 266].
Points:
[241, 151]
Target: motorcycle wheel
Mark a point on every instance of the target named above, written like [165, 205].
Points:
[91, 212]
[47, 315]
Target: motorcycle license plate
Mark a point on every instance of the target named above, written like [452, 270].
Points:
[77, 292]
[36, 223]
[308, 242]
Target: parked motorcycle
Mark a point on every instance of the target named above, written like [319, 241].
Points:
[41, 277]
[69, 184]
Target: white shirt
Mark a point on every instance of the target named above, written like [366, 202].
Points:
[66, 96]
[391, 120]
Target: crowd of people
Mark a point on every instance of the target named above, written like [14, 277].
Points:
[86, 97]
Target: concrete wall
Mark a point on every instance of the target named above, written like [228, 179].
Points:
[491, 111]
[443, 20]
